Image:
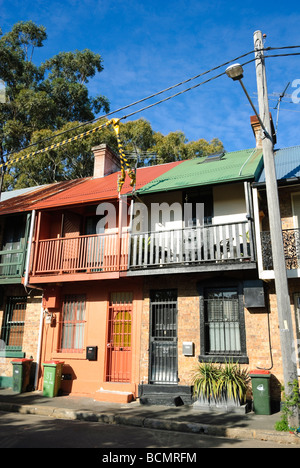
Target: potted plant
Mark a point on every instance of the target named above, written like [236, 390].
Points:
[233, 384]
[205, 382]
[224, 387]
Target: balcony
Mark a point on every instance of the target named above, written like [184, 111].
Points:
[291, 243]
[67, 258]
[211, 247]
[101, 256]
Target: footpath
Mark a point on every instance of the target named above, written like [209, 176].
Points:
[180, 419]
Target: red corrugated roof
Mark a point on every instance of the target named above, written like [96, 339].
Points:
[79, 191]
[105, 188]
[26, 201]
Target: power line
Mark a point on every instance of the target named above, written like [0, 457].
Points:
[282, 55]
[181, 92]
[130, 105]
[279, 48]
[135, 112]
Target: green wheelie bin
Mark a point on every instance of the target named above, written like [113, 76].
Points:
[260, 380]
[21, 374]
[52, 378]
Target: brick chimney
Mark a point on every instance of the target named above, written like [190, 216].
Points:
[105, 161]
[257, 130]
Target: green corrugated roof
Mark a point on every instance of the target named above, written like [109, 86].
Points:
[234, 166]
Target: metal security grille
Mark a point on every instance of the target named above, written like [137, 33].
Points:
[13, 324]
[72, 324]
[163, 337]
[222, 322]
[119, 348]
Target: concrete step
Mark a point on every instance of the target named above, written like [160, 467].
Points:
[113, 396]
[167, 395]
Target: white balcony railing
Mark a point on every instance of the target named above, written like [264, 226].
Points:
[212, 243]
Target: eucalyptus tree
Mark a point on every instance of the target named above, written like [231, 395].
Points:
[42, 100]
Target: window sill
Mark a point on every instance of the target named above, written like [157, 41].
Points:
[12, 354]
[68, 355]
[223, 359]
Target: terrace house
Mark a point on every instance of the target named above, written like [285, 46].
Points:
[193, 242]
[79, 258]
[19, 311]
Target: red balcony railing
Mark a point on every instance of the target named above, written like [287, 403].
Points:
[93, 253]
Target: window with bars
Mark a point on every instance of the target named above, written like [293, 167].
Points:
[222, 325]
[222, 322]
[72, 323]
[12, 331]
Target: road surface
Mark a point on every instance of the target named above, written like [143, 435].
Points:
[31, 431]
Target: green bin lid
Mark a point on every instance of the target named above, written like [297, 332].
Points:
[52, 363]
[21, 360]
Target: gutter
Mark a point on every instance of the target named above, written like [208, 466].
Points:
[280, 183]
[29, 243]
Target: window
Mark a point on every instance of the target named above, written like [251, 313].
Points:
[13, 240]
[213, 157]
[194, 215]
[72, 324]
[13, 324]
[222, 325]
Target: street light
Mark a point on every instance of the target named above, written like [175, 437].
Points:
[236, 73]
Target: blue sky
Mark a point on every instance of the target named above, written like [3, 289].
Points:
[151, 45]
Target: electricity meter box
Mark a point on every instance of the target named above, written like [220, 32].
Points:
[188, 348]
[254, 294]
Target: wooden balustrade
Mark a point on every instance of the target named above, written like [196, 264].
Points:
[218, 243]
[92, 253]
[211, 243]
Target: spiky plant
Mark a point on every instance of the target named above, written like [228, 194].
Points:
[205, 380]
[233, 381]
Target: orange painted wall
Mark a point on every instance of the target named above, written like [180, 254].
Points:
[89, 376]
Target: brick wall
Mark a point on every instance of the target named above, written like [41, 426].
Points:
[286, 208]
[261, 327]
[31, 327]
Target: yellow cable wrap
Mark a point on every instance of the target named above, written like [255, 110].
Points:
[115, 124]
[123, 159]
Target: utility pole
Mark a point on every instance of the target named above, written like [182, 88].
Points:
[281, 282]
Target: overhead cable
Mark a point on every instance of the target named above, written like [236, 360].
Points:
[131, 105]
[56, 145]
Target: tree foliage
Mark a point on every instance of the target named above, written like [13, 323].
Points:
[42, 99]
[155, 148]
[46, 103]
